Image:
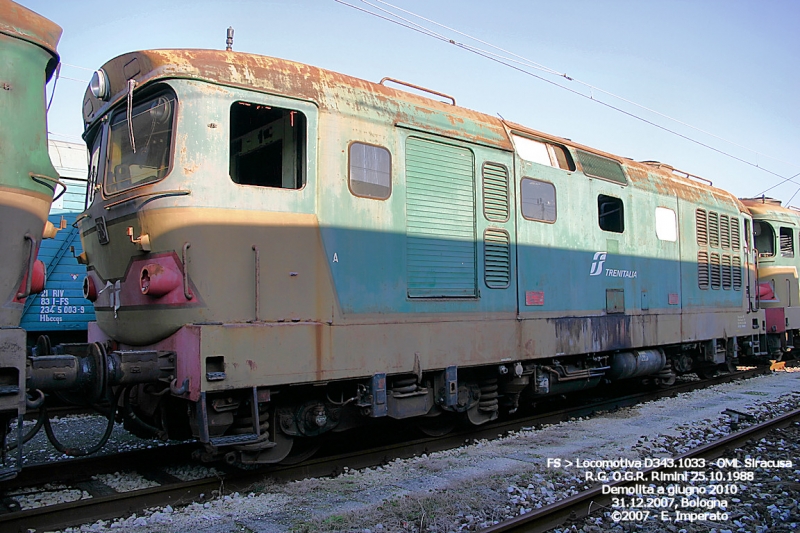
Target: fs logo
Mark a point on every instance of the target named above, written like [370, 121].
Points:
[597, 263]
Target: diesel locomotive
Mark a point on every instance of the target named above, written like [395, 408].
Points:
[27, 185]
[276, 252]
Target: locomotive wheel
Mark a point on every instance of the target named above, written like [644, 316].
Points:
[270, 455]
[666, 381]
[302, 449]
[43, 345]
[437, 426]
[706, 372]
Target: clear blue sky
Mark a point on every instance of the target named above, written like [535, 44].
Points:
[729, 67]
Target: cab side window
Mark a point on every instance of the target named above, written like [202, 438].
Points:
[267, 146]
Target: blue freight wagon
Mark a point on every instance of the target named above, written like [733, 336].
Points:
[61, 311]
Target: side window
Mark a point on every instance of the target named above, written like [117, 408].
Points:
[765, 238]
[747, 234]
[610, 214]
[543, 153]
[666, 224]
[602, 167]
[370, 171]
[538, 200]
[787, 242]
[268, 146]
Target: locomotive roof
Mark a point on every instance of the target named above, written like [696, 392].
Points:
[22, 23]
[343, 93]
[766, 207]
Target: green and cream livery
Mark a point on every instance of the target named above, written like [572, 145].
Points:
[294, 251]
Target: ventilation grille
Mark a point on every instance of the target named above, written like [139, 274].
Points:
[601, 167]
[716, 274]
[717, 270]
[497, 258]
[735, 242]
[737, 272]
[713, 229]
[725, 231]
[702, 269]
[726, 272]
[495, 192]
[701, 221]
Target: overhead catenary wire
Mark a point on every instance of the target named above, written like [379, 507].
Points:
[789, 201]
[544, 68]
[509, 62]
[779, 184]
[77, 66]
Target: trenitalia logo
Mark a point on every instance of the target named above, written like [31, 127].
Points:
[597, 263]
[597, 268]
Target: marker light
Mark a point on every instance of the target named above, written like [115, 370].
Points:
[99, 85]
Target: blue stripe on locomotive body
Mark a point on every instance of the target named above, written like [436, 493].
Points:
[61, 306]
[366, 241]
[369, 277]
[555, 260]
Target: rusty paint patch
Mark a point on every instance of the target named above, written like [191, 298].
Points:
[611, 332]
[22, 23]
[252, 364]
[329, 90]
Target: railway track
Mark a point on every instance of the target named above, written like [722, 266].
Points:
[582, 504]
[105, 503]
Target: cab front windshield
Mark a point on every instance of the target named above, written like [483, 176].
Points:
[139, 148]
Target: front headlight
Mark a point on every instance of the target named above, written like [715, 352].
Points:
[99, 85]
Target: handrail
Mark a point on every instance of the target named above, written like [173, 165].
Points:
[419, 88]
[55, 181]
[186, 292]
[174, 192]
[676, 171]
[79, 218]
[258, 280]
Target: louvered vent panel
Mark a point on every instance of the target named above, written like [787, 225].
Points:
[725, 231]
[440, 220]
[601, 167]
[495, 192]
[736, 265]
[702, 269]
[497, 258]
[735, 239]
[727, 273]
[701, 221]
[713, 229]
[716, 274]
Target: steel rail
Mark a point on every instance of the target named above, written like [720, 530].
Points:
[173, 492]
[581, 505]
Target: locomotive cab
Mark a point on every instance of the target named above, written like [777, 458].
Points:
[775, 229]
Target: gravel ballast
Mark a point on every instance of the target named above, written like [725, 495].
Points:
[474, 486]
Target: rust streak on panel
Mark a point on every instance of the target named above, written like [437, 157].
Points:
[22, 23]
[278, 76]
